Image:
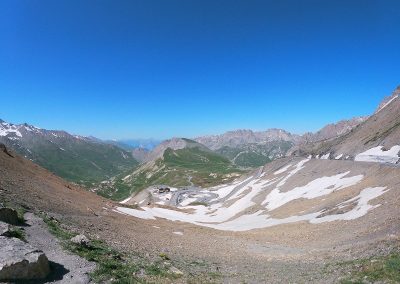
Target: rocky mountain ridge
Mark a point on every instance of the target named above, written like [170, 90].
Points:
[375, 139]
[77, 158]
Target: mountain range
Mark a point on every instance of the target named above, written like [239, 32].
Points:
[324, 212]
[119, 168]
[89, 160]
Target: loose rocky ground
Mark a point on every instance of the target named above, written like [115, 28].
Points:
[66, 267]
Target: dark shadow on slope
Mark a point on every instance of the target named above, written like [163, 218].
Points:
[57, 273]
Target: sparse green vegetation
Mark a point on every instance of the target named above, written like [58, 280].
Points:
[196, 203]
[255, 155]
[21, 212]
[16, 232]
[112, 265]
[178, 168]
[385, 269]
[164, 256]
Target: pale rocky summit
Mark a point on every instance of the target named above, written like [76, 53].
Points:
[21, 261]
[386, 101]
[334, 130]
[174, 144]
[239, 137]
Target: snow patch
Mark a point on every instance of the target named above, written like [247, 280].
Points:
[316, 188]
[338, 157]
[126, 200]
[282, 170]
[7, 128]
[377, 155]
[326, 156]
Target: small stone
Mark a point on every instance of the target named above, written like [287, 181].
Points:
[175, 271]
[140, 273]
[81, 240]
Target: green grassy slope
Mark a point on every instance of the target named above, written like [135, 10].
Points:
[255, 155]
[183, 167]
[82, 161]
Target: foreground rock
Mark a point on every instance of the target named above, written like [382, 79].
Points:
[9, 216]
[21, 261]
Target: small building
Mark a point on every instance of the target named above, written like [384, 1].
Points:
[164, 190]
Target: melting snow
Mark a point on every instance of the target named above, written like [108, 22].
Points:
[326, 156]
[234, 215]
[137, 213]
[316, 188]
[376, 154]
[359, 210]
[338, 157]
[126, 200]
[299, 166]
[282, 170]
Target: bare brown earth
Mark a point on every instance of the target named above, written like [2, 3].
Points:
[292, 253]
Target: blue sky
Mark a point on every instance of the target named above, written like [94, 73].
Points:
[129, 69]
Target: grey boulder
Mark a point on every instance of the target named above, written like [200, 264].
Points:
[21, 261]
[81, 240]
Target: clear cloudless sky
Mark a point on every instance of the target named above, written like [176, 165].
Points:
[163, 68]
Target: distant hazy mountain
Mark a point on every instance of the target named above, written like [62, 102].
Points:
[175, 162]
[148, 144]
[140, 154]
[76, 158]
[119, 144]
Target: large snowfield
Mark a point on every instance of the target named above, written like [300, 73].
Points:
[248, 204]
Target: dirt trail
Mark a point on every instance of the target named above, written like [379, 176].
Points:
[66, 267]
